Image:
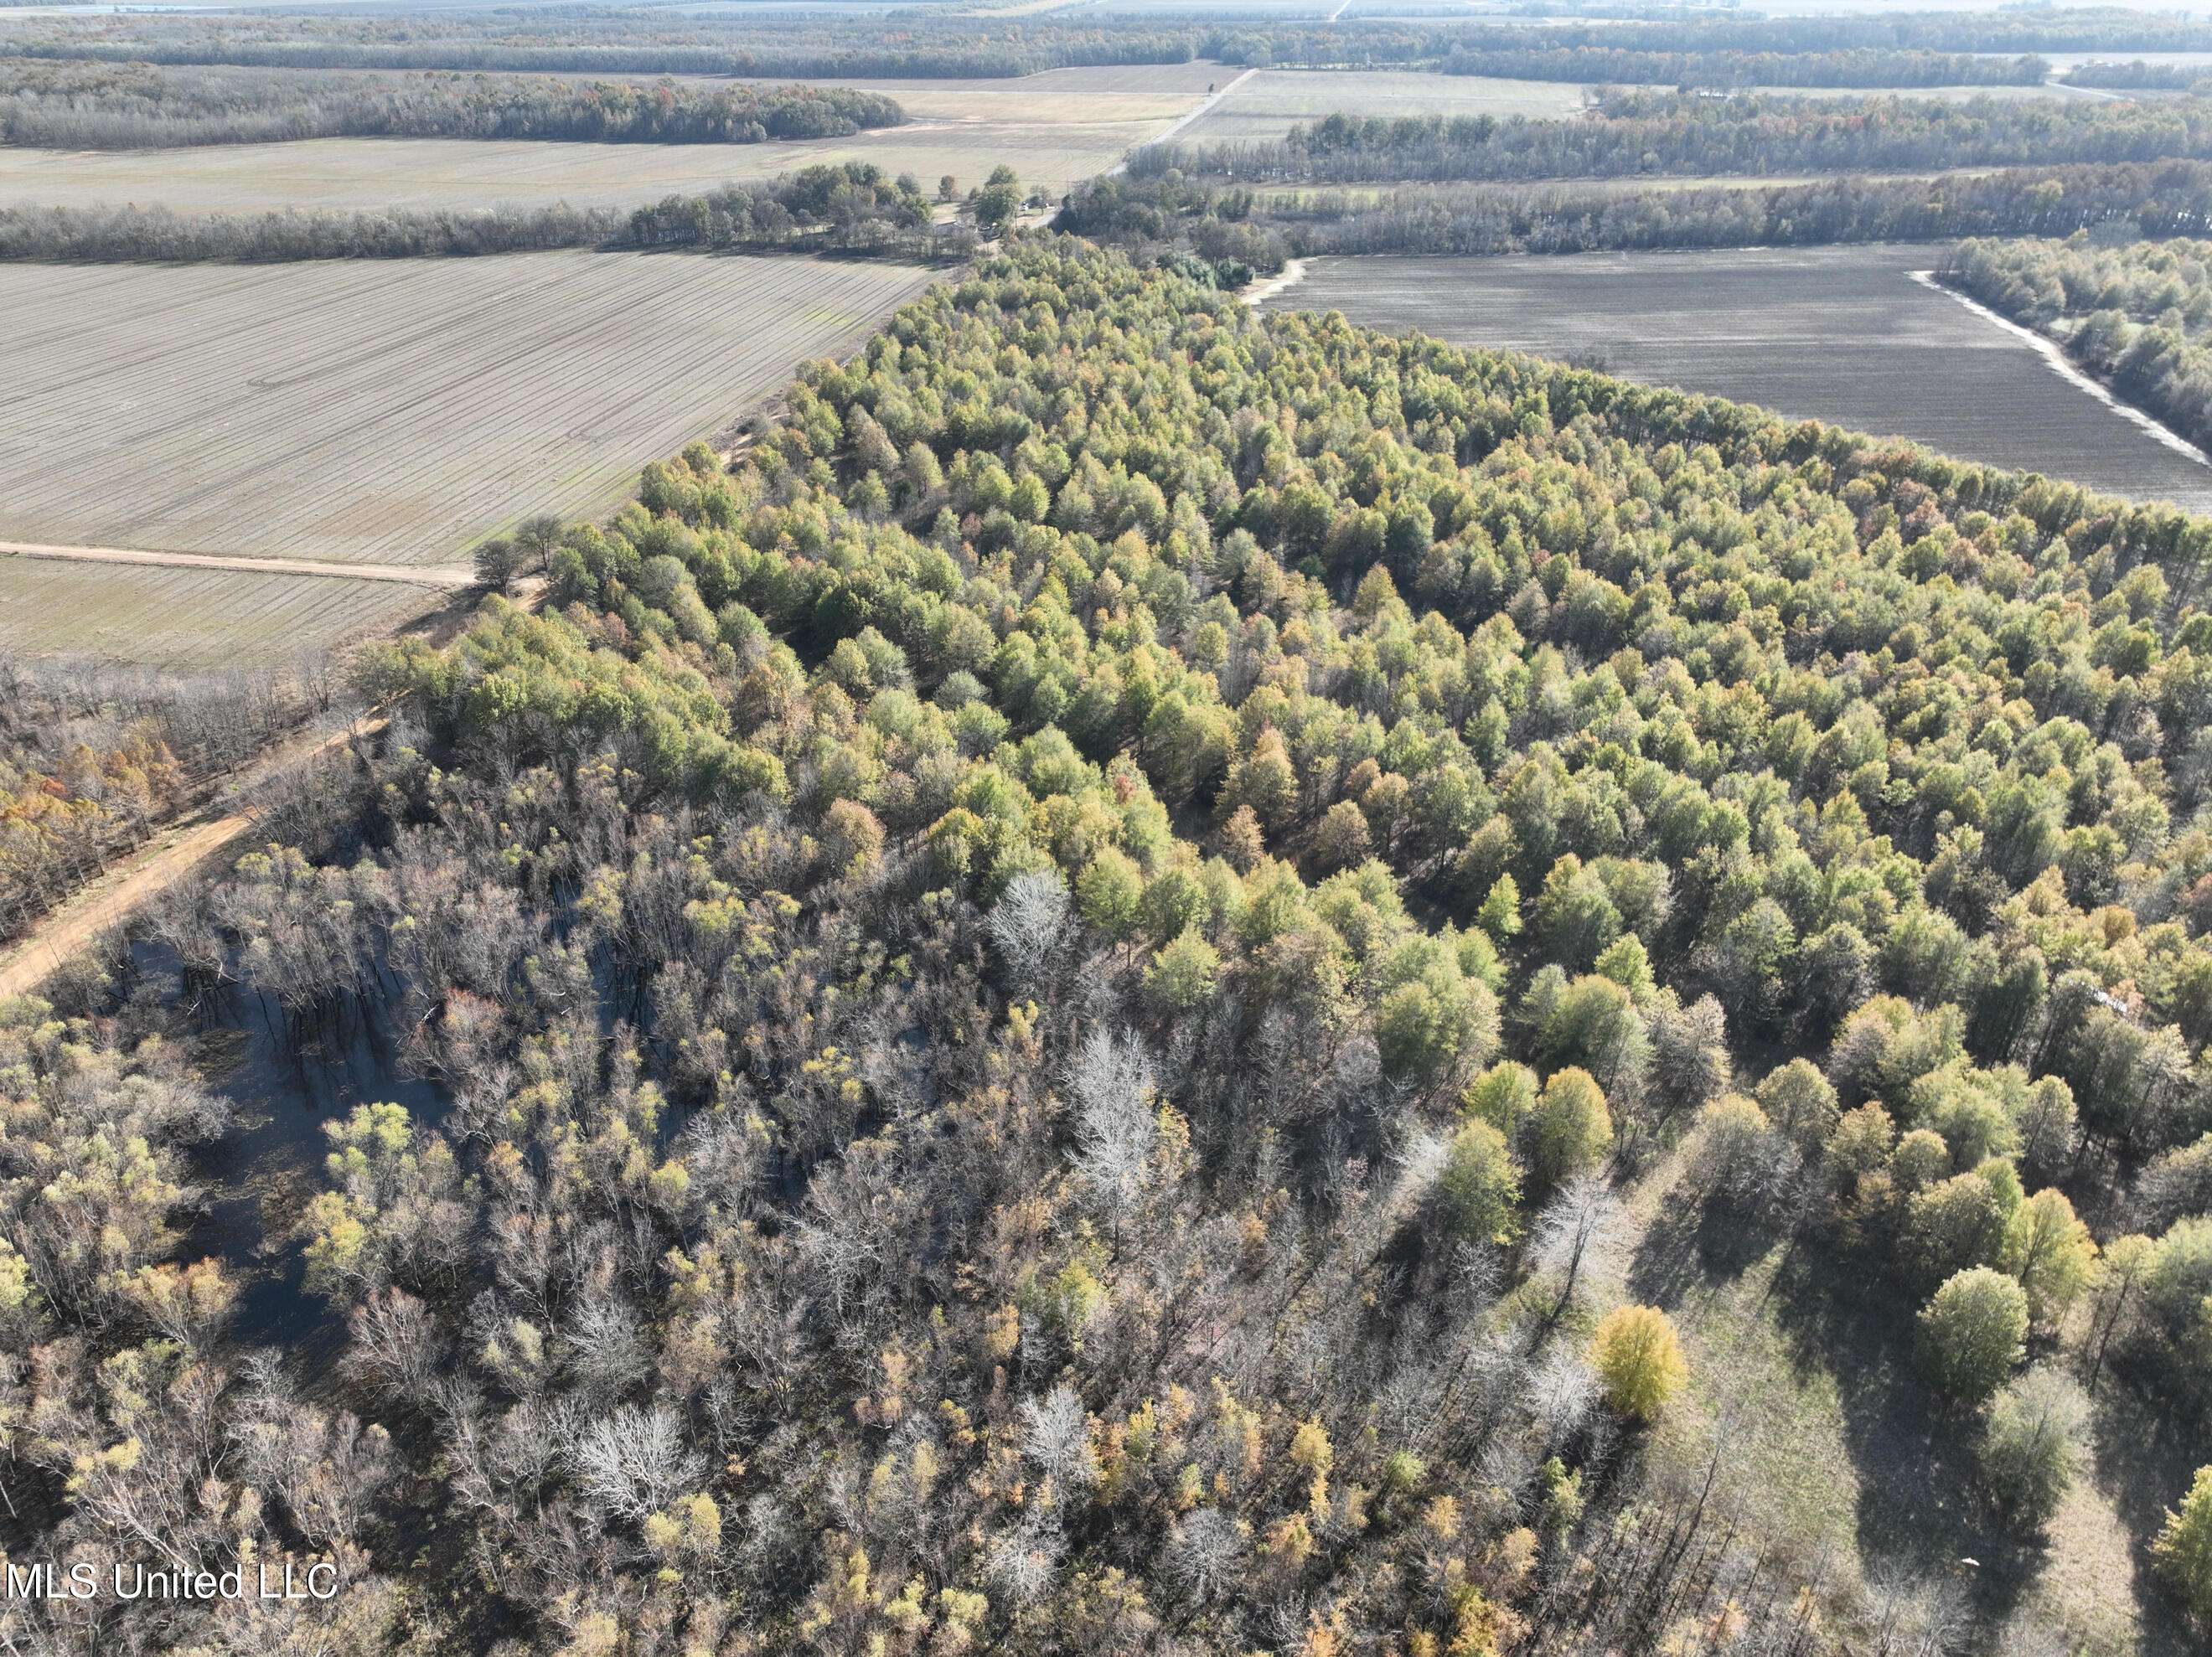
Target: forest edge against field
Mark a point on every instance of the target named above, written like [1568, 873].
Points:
[2053, 354]
[1258, 291]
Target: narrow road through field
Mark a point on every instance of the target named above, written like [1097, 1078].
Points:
[118, 893]
[1204, 104]
[422, 575]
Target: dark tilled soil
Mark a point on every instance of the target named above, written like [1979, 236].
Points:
[1842, 334]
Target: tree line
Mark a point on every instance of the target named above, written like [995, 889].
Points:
[2136, 76]
[2004, 30]
[2138, 317]
[1906, 49]
[614, 43]
[61, 104]
[1242, 230]
[1047, 991]
[1631, 134]
[846, 207]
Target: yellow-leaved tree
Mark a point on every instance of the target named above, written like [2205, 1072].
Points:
[1639, 1360]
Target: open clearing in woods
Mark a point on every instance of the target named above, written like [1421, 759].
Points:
[1053, 128]
[1841, 334]
[1838, 1455]
[393, 412]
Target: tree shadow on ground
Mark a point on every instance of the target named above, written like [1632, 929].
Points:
[1913, 1460]
[1918, 1510]
[1695, 1247]
[1852, 1319]
[2143, 1455]
[1918, 1513]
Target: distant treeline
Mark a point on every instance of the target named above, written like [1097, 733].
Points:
[2137, 76]
[2041, 29]
[851, 207]
[1856, 66]
[1644, 133]
[1259, 229]
[1911, 50]
[137, 106]
[603, 44]
[2138, 317]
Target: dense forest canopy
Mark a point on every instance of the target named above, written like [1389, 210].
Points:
[2136, 76]
[91, 105]
[2003, 29]
[2139, 316]
[632, 42]
[1044, 986]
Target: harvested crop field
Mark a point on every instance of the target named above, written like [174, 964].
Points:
[387, 411]
[187, 618]
[1842, 334]
[1269, 104]
[1054, 130]
[352, 175]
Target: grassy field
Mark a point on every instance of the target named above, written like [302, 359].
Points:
[393, 412]
[1274, 100]
[363, 174]
[187, 618]
[1054, 129]
[1841, 334]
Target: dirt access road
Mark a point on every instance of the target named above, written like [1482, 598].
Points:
[173, 854]
[1167, 137]
[420, 575]
[181, 849]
